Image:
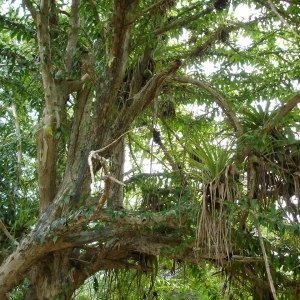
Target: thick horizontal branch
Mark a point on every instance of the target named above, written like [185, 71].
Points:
[172, 219]
[126, 249]
[133, 243]
[60, 235]
[86, 237]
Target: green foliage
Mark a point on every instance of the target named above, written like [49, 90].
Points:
[179, 149]
[174, 279]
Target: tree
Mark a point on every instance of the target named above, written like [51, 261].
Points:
[89, 86]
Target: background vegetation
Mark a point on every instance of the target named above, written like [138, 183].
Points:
[149, 149]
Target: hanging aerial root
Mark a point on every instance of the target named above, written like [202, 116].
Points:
[214, 226]
[263, 249]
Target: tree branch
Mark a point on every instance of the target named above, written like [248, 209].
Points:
[281, 112]
[201, 49]
[233, 120]
[251, 183]
[274, 9]
[41, 240]
[175, 166]
[184, 21]
[31, 8]
[140, 102]
[142, 99]
[118, 53]
[93, 5]
[47, 143]
[144, 11]
[70, 86]
[18, 134]
[6, 232]
[73, 36]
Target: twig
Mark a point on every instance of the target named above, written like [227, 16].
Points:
[109, 145]
[18, 134]
[144, 11]
[94, 154]
[2, 226]
[115, 180]
[274, 9]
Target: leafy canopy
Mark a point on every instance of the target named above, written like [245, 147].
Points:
[211, 150]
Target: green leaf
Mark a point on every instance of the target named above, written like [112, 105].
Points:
[54, 239]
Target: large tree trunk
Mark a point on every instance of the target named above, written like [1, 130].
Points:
[52, 276]
[37, 252]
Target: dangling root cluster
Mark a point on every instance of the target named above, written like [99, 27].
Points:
[214, 225]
